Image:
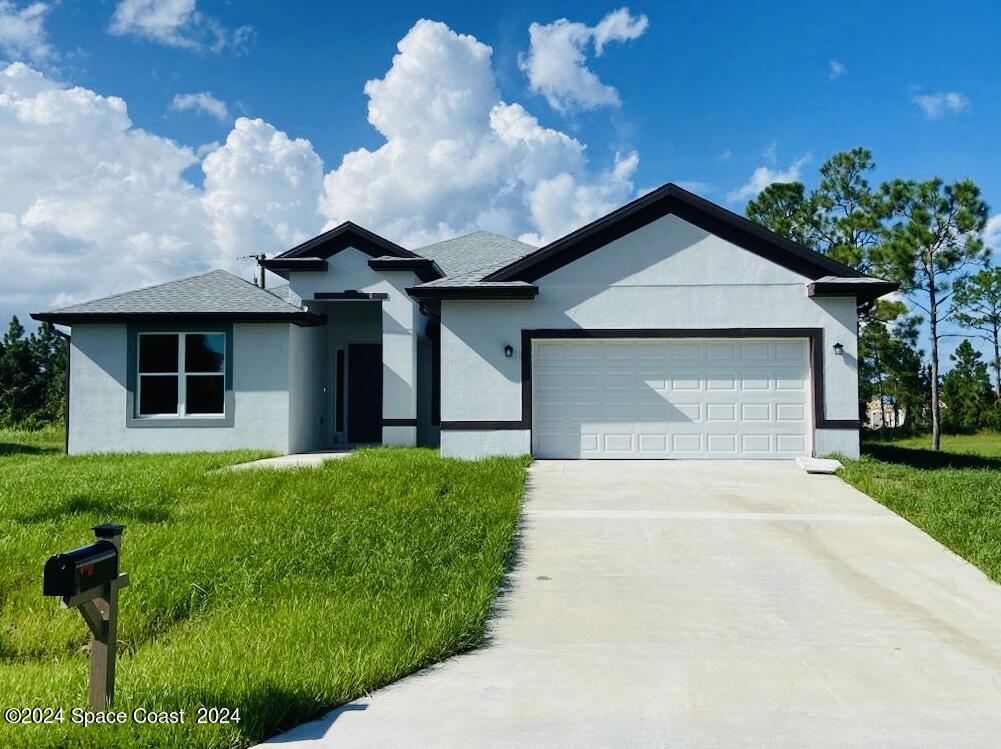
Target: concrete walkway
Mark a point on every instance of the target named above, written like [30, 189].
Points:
[708, 604]
[295, 460]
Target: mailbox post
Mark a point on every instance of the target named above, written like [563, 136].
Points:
[89, 579]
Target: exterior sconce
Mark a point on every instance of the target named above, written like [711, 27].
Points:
[839, 350]
[508, 350]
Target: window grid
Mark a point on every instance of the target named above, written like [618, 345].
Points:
[180, 374]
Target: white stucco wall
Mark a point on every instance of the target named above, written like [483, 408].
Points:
[98, 395]
[668, 274]
[307, 396]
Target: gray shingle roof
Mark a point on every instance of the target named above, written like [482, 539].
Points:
[462, 255]
[470, 278]
[215, 293]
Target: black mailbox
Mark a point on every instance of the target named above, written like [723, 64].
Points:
[77, 571]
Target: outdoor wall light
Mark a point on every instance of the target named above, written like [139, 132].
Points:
[839, 350]
[509, 351]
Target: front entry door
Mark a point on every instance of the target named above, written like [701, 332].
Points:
[364, 393]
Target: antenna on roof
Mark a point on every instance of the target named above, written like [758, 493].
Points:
[259, 272]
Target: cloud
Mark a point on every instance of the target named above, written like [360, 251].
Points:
[763, 176]
[91, 205]
[618, 26]
[725, 155]
[992, 233]
[175, 23]
[457, 158]
[201, 102]
[261, 189]
[936, 105]
[835, 69]
[556, 61]
[22, 31]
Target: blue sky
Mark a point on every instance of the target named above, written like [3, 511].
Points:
[704, 79]
[702, 94]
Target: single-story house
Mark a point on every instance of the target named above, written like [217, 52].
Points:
[670, 328]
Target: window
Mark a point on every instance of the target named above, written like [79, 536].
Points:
[181, 374]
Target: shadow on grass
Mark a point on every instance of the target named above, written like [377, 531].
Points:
[17, 448]
[928, 459]
[109, 509]
[272, 710]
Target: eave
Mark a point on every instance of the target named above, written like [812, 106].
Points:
[514, 291]
[862, 289]
[424, 268]
[302, 318]
[282, 265]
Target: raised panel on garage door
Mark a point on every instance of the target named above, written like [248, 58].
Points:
[667, 398]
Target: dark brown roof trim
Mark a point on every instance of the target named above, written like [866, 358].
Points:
[294, 264]
[514, 291]
[339, 238]
[301, 318]
[671, 199]
[424, 268]
[866, 292]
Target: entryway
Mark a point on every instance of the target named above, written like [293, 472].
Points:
[357, 391]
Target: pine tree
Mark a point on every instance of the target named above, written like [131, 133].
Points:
[966, 390]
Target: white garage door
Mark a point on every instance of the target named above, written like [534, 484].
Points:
[678, 398]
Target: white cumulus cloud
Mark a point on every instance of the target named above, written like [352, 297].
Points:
[91, 205]
[935, 106]
[835, 69]
[992, 233]
[763, 176]
[22, 31]
[176, 23]
[556, 63]
[261, 189]
[203, 101]
[458, 158]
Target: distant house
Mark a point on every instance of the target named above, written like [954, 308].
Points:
[670, 328]
[882, 412]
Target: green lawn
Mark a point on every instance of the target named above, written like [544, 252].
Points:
[982, 443]
[281, 593]
[953, 495]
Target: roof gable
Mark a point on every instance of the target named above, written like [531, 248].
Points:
[671, 199]
[341, 237]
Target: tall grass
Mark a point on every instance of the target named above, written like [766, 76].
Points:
[281, 593]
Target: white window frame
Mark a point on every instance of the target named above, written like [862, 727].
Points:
[180, 374]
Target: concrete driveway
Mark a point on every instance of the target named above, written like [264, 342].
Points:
[708, 604]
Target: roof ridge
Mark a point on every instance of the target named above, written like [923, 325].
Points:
[473, 233]
[146, 288]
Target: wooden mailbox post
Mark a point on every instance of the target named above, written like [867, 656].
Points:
[88, 579]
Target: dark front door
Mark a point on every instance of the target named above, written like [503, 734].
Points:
[364, 396]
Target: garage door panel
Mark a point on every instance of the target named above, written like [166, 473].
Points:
[717, 412]
[662, 399]
[761, 444]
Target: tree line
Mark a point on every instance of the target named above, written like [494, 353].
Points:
[927, 236]
[32, 376]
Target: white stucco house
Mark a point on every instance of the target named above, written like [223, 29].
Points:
[670, 328]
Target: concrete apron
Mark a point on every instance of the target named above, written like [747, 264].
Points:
[708, 604]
